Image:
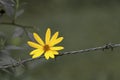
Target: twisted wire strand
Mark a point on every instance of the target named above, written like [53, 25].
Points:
[104, 47]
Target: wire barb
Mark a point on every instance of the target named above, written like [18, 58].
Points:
[108, 46]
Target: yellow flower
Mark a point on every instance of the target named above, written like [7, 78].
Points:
[48, 47]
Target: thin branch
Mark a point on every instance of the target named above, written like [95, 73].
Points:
[107, 46]
[18, 25]
[15, 24]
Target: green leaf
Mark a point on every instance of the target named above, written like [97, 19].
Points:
[5, 58]
[8, 6]
[20, 12]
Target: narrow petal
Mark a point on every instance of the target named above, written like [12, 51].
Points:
[57, 48]
[38, 53]
[54, 36]
[58, 40]
[46, 55]
[34, 45]
[55, 52]
[33, 52]
[49, 54]
[38, 38]
[48, 35]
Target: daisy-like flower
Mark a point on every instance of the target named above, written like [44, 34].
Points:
[48, 47]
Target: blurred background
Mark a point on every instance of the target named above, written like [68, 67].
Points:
[83, 24]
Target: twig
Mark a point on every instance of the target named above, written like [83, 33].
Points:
[107, 46]
[15, 24]
[18, 25]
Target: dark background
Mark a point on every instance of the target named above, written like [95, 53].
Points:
[84, 24]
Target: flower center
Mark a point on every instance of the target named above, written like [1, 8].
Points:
[46, 47]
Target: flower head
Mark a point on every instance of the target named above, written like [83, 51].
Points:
[48, 47]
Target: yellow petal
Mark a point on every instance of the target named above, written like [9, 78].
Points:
[38, 53]
[34, 45]
[33, 52]
[48, 35]
[54, 36]
[51, 55]
[57, 48]
[38, 38]
[55, 53]
[58, 40]
[46, 55]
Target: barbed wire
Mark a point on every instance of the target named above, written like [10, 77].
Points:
[104, 47]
